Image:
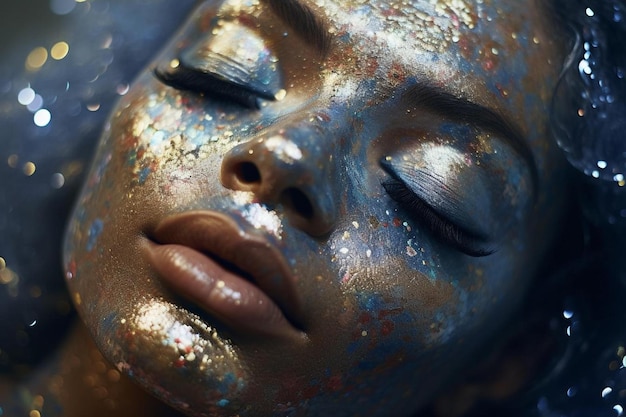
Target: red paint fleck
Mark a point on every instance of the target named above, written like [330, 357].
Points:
[335, 383]
[346, 278]
[247, 21]
[365, 318]
[385, 224]
[386, 328]
[397, 222]
[311, 391]
[397, 72]
[323, 116]
[488, 65]
[384, 313]
[180, 362]
[502, 90]
[371, 66]
[455, 20]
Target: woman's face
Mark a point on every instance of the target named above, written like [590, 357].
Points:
[320, 207]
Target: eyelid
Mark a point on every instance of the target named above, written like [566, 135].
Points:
[461, 110]
[470, 196]
[445, 230]
[445, 179]
[232, 61]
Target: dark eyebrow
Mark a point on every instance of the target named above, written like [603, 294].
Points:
[461, 110]
[304, 22]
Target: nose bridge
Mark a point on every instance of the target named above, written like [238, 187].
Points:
[291, 164]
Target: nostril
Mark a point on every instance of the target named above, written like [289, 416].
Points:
[247, 173]
[299, 202]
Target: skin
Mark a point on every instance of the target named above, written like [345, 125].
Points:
[387, 310]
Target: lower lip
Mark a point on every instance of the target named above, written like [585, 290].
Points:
[230, 298]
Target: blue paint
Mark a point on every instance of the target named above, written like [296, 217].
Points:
[94, 232]
[143, 175]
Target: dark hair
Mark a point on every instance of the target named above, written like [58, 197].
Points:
[582, 300]
[589, 104]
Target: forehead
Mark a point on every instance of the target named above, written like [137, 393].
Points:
[495, 44]
[428, 25]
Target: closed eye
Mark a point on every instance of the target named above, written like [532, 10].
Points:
[212, 85]
[440, 226]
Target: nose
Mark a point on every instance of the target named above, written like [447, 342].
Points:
[293, 168]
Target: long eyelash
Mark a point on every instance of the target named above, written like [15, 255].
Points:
[436, 224]
[188, 79]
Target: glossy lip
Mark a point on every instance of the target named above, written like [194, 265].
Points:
[236, 275]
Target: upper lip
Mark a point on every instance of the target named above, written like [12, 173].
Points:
[221, 238]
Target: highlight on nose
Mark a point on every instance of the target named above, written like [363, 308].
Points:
[298, 183]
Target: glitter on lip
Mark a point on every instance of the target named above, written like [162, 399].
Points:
[268, 305]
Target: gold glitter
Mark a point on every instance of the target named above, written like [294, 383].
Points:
[7, 276]
[174, 63]
[59, 50]
[12, 160]
[36, 59]
[34, 413]
[77, 299]
[3, 263]
[281, 94]
[29, 169]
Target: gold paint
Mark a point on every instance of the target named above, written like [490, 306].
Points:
[29, 169]
[36, 58]
[3, 263]
[77, 299]
[59, 50]
[34, 413]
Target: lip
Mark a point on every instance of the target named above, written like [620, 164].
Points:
[234, 274]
